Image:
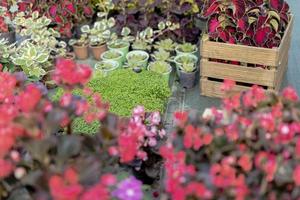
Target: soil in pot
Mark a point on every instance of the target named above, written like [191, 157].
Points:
[97, 51]
[81, 52]
[187, 80]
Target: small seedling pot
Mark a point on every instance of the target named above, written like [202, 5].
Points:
[178, 52]
[124, 48]
[114, 65]
[142, 63]
[97, 51]
[187, 80]
[178, 64]
[81, 52]
[119, 59]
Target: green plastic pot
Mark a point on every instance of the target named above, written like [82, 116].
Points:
[114, 65]
[124, 49]
[178, 52]
[142, 63]
[119, 59]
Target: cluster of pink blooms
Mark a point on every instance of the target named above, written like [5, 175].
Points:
[142, 131]
[229, 173]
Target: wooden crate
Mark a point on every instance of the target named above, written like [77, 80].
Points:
[212, 74]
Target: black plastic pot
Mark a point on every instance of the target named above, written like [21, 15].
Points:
[10, 36]
[187, 80]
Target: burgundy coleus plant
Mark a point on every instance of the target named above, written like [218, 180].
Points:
[248, 22]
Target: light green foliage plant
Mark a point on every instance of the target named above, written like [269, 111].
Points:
[36, 28]
[144, 40]
[101, 32]
[187, 63]
[166, 44]
[187, 47]
[160, 67]
[82, 41]
[6, 50]
[112, 54]
[33, 59]
[161, 55]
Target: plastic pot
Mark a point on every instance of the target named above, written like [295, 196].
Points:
[178, 64]
[124, 48]
[10, 36]
[112, 65]
[179, 52]
[164, 75]
[97, 51]
[142, 63]
[119, 59]
[81, 52]
[187, 80]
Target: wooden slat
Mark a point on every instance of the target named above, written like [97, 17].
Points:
[212, 89]
[286, 40]
[238, 73]
[242, 53]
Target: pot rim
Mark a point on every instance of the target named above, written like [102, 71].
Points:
[115, 63]
[138, 52]
[112, 50]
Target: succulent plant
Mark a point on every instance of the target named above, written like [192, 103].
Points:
[166, 44]
[101, 32]
[112, 54]
[187, 47]
[104, 65]
[82, 41]
[186, 63]
[160, 67]
[161, 55]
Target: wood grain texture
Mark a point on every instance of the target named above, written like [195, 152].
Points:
[238, 73]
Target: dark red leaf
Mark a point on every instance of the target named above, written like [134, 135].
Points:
[213, 7]
[242, 24]
[239, 8]
[276, 4]
[213, 24]
[261, 36]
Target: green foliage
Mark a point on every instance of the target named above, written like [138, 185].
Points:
[124, 90]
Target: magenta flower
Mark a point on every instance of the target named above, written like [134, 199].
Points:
[129, 189]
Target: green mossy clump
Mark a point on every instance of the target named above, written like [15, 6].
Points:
[124, 90]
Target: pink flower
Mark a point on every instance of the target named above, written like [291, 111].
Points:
[227, 85]
[108, 179]
[245, 162]
[155, 118]
[29, 98]
[96, 192]
[290, 94]
[6, 168]
[181, 118]
[296, 175]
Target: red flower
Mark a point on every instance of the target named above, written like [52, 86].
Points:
[290, 94]
[252, 97]
[29, 98]
[8, 84]
[108, 180]
[296, 175]
[199, 190]
[285, 133]
[65, 187]
[245, 162]
[6, 168]
[97, 192]
[180, 118]
[192, 138]
[70, 73]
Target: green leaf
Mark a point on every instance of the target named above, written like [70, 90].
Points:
[32, 52]
[274, 23]
[19, 61]
[125, 31]
[161, 25]
[85, 29]
[43, 57]
[35, 15]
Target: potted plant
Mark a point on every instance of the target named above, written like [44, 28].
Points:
[161, 67]
[99, 35]
[106, 66]
[122, 44]
[166, 44]
[137, 58]
[113, 55]
[6, 28]
[186, 69]
[186, 48]
[80, 47]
